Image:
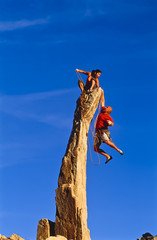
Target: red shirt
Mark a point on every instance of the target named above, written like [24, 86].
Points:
[102, 121]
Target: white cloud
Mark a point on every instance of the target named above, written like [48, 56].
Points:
[13, 25]
[38, 107]
[36, 96]
[45, 95]
[21, 114]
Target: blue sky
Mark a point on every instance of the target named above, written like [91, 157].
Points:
[41, 45]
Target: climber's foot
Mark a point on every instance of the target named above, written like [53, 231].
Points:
[108, 159]
[121, 152]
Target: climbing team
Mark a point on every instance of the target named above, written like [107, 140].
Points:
[104, 120]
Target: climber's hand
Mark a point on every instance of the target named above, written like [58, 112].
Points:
[110, 123]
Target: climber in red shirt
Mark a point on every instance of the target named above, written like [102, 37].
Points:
[92, 83]
[102, 133]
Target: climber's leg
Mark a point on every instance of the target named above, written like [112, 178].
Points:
[111, 144]
[102, 99]
[81, 85]
[97, 142]
[99, 150]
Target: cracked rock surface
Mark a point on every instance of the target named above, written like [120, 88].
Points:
[71, 214]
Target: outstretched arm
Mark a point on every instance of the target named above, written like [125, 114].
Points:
[84, 72]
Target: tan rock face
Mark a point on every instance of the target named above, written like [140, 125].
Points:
[43, 230]
[147, 236]
[2, 237]
[13, 237]
[57, 238]
[71, 214]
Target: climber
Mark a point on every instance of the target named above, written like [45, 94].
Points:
[102, 133]
[92, 83]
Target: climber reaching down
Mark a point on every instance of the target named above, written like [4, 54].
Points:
[102, 134]
[92, 83]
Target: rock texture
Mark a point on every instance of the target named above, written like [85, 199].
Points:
[57, 238]
[45, 229]
[147, 236]
[2, 237]
[71, 213]
[13, 237]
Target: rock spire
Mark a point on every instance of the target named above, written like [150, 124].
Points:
[71, 213]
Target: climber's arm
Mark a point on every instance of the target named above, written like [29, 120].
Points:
[84, 72]
[93, 84]
[110, 123]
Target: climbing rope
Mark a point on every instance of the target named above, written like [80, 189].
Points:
[79, 76]
[95, 164]
[99, 106]
[83, 100]
[92, 132]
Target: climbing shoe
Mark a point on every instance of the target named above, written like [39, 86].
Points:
[108, 159]
[121, 152]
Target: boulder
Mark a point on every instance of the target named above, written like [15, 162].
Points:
[45, 229]
[13, 237]
[2, 237]
[58, 237]
[147, 236]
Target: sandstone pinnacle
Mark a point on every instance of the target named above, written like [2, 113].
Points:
[71, 213]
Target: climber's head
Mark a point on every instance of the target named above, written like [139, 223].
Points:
[106, 109]
[96, 73]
